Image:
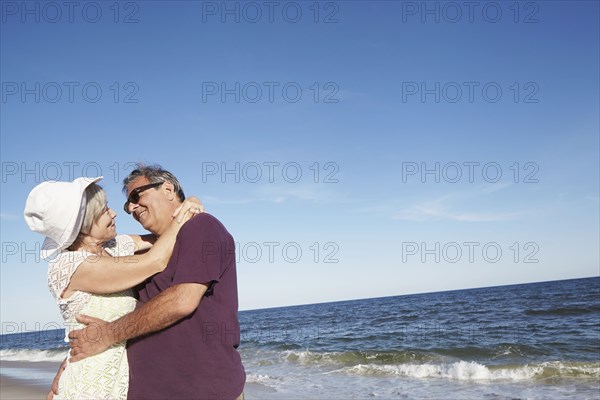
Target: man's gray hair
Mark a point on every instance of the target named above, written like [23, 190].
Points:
[155, 174]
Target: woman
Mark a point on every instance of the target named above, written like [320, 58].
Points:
[91, 269]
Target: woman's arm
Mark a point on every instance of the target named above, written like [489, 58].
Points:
[142, 243]
[105, 274]
[54, 387]
[145, 242]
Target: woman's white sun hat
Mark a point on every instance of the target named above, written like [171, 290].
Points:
[56, 210]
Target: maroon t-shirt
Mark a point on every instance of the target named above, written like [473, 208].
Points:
[196, 358]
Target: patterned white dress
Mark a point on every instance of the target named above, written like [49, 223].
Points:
[106, 375]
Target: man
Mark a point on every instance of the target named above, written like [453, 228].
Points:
[185, 327]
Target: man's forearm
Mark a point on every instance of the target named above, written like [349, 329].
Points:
[160, 312]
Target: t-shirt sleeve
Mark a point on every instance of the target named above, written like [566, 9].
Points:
[61, 269]
[198, 251]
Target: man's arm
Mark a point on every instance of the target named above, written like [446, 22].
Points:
[160, 312]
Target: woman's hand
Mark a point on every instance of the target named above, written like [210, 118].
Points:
[54, 388]
[188, 209]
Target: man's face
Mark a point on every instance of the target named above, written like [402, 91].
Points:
[154, 207]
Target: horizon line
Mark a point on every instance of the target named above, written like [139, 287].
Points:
[418, 293]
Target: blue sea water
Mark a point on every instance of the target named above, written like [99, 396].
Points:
[530, 341]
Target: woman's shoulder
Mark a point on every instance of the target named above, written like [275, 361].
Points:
[61, 268]
[121, 245]
[67, 257]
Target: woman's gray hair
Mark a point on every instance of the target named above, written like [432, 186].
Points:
[154, 174]
[96, 205]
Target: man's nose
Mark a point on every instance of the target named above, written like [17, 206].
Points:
[131, 207]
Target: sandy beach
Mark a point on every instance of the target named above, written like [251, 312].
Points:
[31, 381]
[21, 387]
[18, 389]
[26, 380]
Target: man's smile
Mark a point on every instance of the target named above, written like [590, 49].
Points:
[139, 215]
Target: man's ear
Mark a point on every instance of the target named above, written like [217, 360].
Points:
[169, 190]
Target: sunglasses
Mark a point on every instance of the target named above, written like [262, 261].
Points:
[134, 196]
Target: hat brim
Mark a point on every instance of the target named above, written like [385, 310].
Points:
[51, 248]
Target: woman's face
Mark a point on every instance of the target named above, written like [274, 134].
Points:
[104, 228]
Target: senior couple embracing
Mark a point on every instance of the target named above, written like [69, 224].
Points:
[148, 316]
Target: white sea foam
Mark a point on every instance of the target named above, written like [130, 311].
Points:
[33, 355]
[473, 371]
[358, 363]
[263, 379]
[325, 360]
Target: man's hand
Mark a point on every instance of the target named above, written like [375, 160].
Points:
[91, 340]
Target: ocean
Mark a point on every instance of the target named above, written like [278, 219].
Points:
[529, 341]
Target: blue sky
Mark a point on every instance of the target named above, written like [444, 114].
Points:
[332, 117]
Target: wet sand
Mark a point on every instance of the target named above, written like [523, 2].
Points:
[31, 381]
[18, 389]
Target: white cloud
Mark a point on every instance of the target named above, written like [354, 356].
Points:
[217, 200]
[494, 187]
[454, 206]
[421, 213]
[314, 193]
[440, 209]
[9, 217]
